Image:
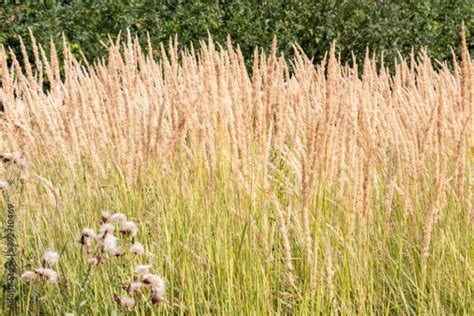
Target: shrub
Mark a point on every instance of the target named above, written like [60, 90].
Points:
[384, 25]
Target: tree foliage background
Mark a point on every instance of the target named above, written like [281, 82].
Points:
[390, 26]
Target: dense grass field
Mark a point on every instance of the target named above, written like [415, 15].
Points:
[290, 189]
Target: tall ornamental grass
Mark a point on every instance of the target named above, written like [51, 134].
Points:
[321, 189]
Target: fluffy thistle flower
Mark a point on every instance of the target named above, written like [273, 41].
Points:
[153, 280]
[106, 229]
[88, 233]
[109, 244]
[102, 259]
[134, 286]
[94, 261]
[160, 288]
[50, 257]
[137, 248]
[88, 245]
[157, 290]
[28, 276]
[3, 185]
[129, 228]
[156, 297]
[118, 218]
[23, 179]
[125, 301]
[49, 274]
[117, 252]
[85, 239]
[142, 269]
[14, 157]
[104, 216]
[6, 157]
[20, 161]
[99, 259]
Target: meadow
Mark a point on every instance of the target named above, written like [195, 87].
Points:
[293, 188]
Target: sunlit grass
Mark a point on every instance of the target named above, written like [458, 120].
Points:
[214, 261]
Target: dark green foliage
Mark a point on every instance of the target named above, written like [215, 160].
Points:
[389, 25]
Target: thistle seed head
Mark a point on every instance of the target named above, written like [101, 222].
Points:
[50, 257]
[109, 244]
[129, 228]
[106, 229]
[48, 274]
[93, 261]
[3, 185]
[134, 286]
[6, 157]
[156, 298]
[28, 276]
[105, 215]
[124, 301]
[88, 233]
[142, 269]
[137, 248]
[153, 280]
[118, 218]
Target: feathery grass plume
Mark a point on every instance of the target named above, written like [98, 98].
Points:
[51, 189]
[466, 84]
[266, 161]
[467, 95]
[434, 206]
